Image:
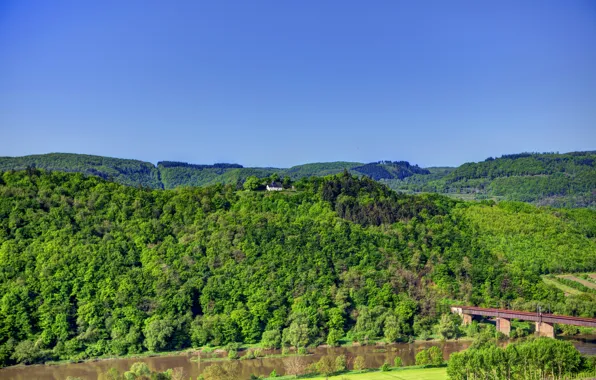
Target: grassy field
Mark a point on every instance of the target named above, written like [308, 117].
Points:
[566, 289]
[399, 374]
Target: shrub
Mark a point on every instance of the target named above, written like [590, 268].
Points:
[295, 365]
[228, 370]
[422, 358]
[398, 362]
[257, 352]
[326, 365]
[385, 367]
[435, 355]
[233, 354]
[359, 363]
[341, 363]
[302, 351]
[273, 374]
[250, 354]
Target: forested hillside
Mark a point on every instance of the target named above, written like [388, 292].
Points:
[91, 267]
[559, 180]
[128, 172]
[172, 174]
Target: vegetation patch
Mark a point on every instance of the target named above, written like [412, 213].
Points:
[586, 283]
[564, 288]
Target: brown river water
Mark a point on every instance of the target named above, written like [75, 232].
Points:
[375, 356]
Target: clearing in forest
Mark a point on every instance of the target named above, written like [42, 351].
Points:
[585, 283]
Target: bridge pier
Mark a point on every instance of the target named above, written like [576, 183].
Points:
[467, 319]
[545, 329]
[504, 325]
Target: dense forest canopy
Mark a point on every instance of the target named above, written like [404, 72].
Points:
[90, 267]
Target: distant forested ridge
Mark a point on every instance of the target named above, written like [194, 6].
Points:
[390, 170]
[552, 179]
[128, 172]
[172, 174]
[560, 180]
[176, 164]
[90, 267]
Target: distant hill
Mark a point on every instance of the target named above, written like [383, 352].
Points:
[128, 172]
[560, 180]
[171, 174]
[390, 170]
[552, 179]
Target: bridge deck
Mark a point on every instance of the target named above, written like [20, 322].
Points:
[529, 316]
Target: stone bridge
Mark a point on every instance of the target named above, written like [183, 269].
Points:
[544, 322]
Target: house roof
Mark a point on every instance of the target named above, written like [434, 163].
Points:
[274, 184]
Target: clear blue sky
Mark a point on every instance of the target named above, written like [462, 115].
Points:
[279, 83]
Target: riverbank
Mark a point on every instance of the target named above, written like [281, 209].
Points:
[374, 357]
[218, 353]
[379, 346]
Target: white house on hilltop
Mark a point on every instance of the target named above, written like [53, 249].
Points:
[274, 186]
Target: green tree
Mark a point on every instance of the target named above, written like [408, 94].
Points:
[333, 337]
[391, 329]
[447, 327]
[271, 339]
[252, 183]
[157, 333]
[297, 334]
[139, 370]
[27, 352]
[287, 182]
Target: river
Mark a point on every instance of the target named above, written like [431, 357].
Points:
[374, 356]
